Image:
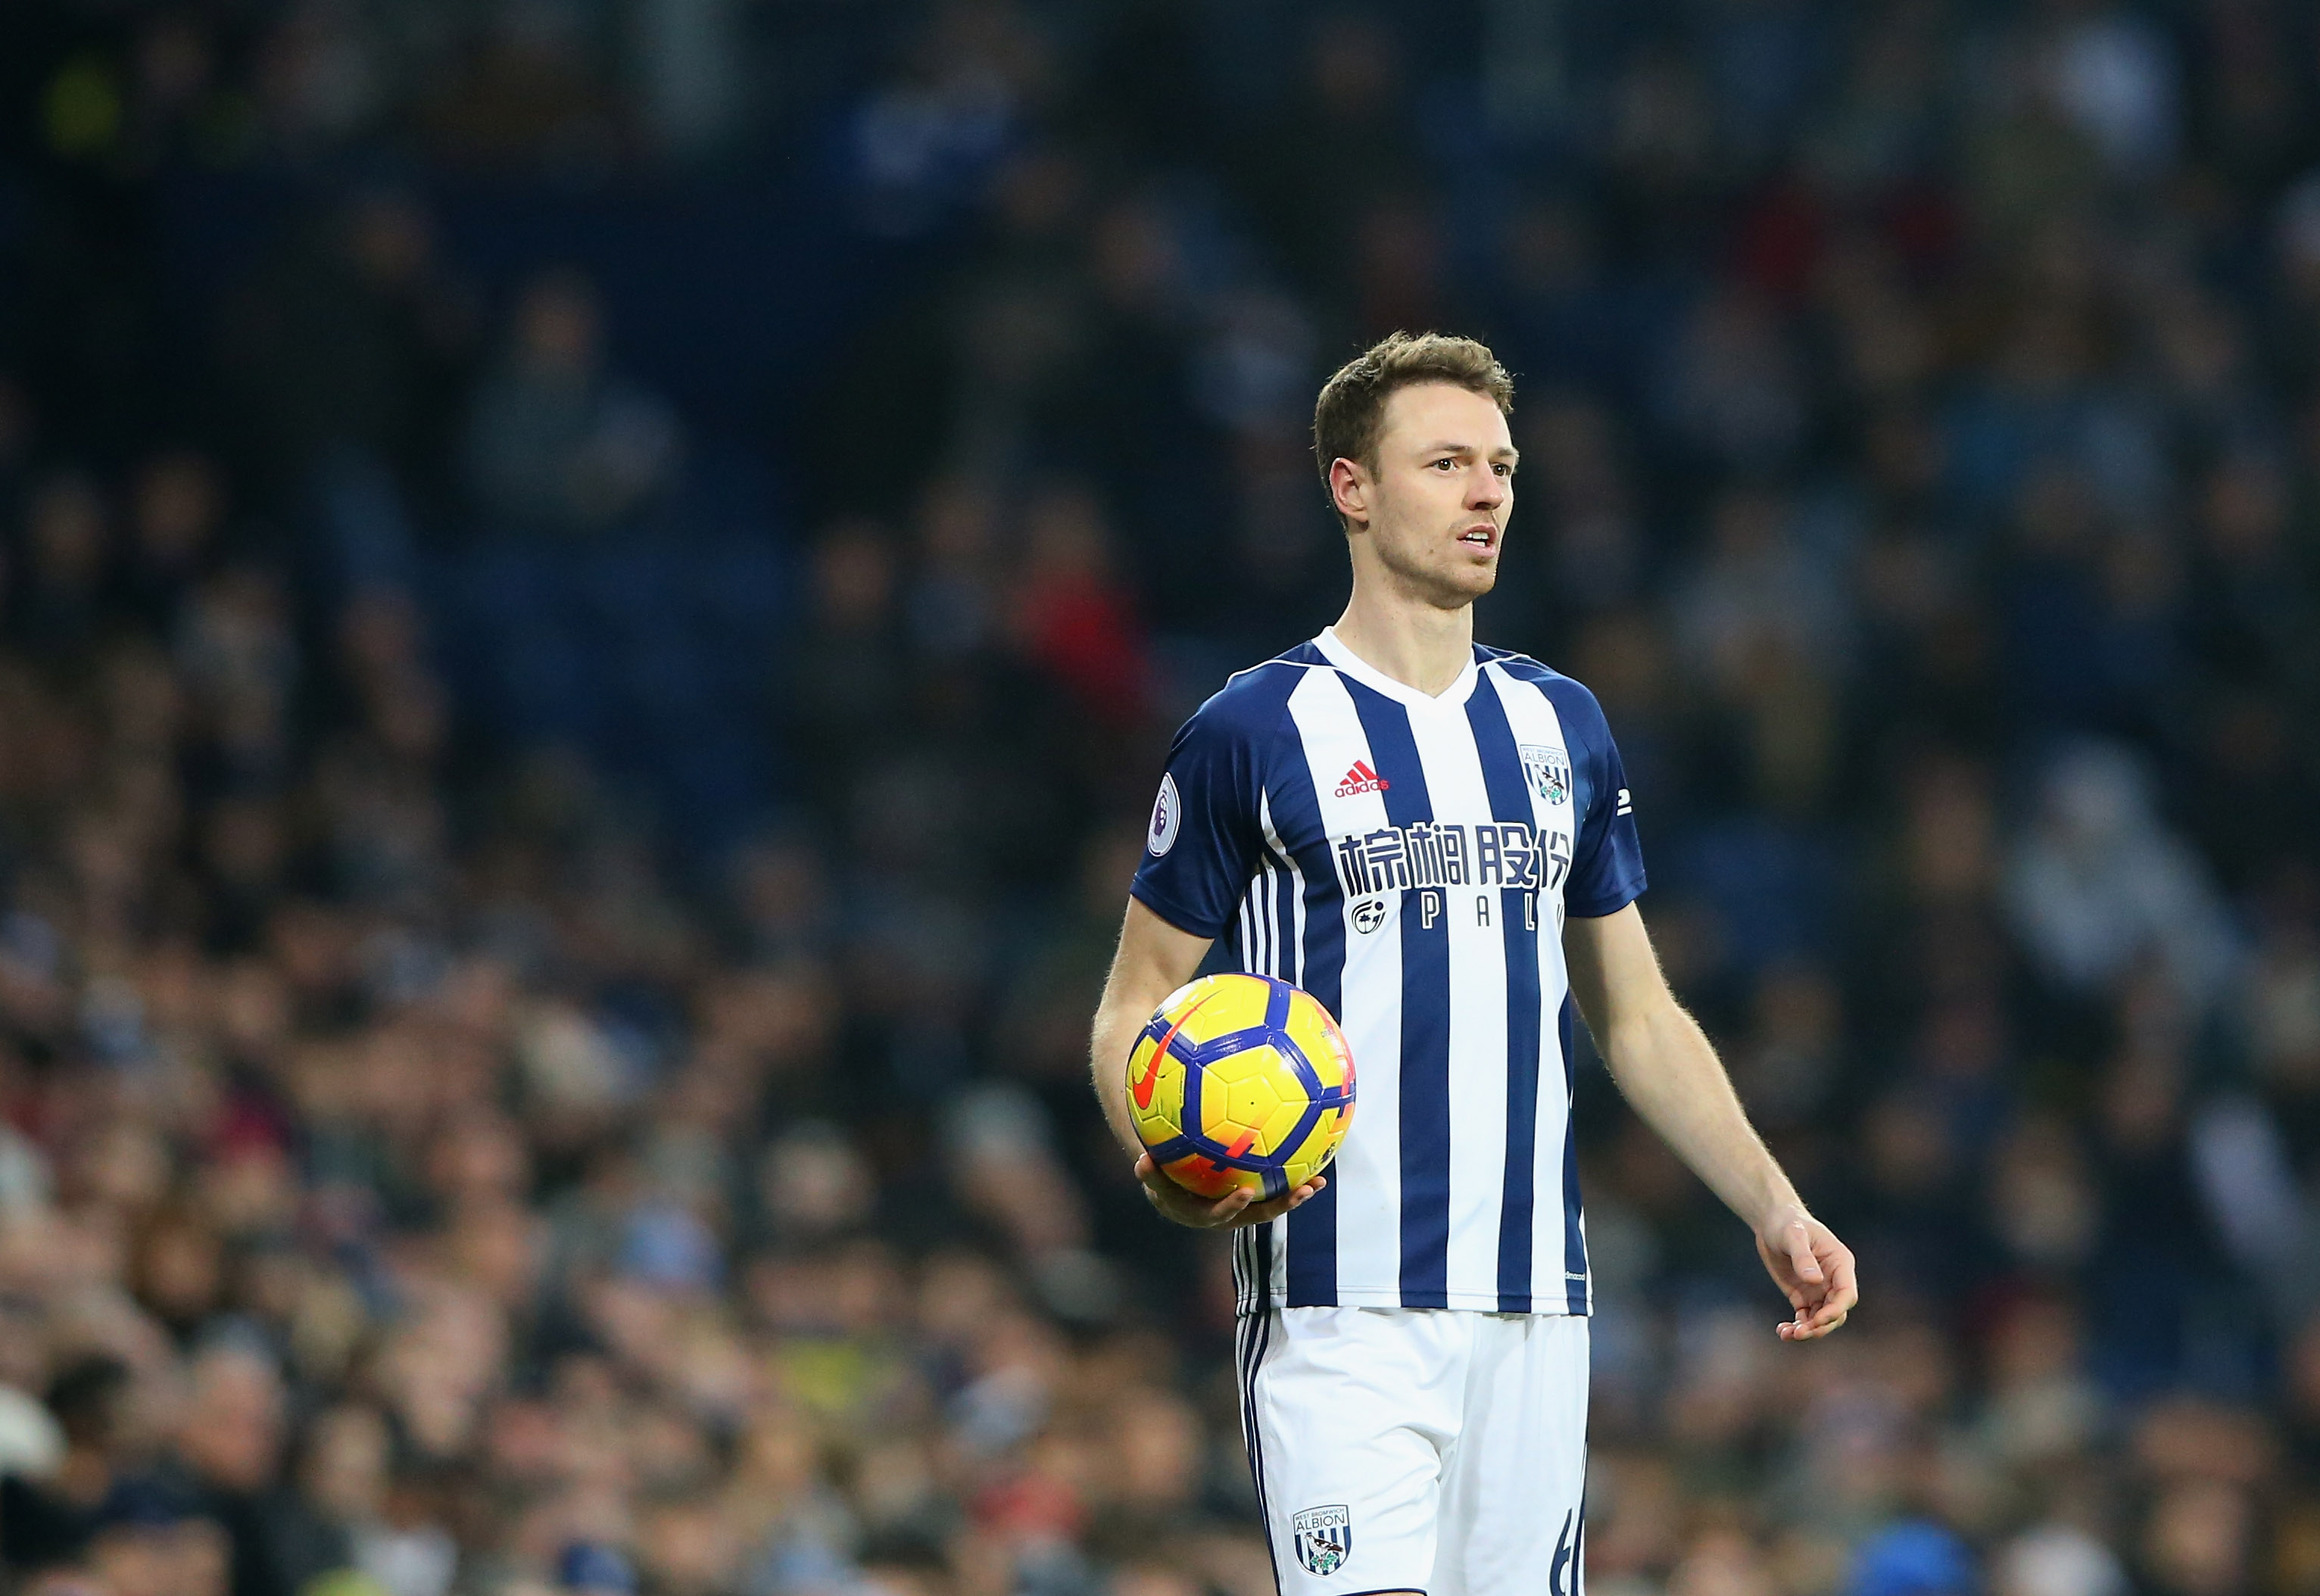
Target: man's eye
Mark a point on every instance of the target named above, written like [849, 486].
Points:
[1503, 469]
[1444, 463]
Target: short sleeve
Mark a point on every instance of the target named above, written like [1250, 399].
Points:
[1201, 846]
[1607, 870]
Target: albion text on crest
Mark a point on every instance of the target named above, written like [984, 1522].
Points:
[1325, 1538]
[1548, 769]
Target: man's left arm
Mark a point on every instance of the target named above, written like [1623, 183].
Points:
[1667, 1068]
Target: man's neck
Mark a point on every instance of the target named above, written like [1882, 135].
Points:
[1418, 643]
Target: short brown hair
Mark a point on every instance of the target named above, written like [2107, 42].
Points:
[1349, 417]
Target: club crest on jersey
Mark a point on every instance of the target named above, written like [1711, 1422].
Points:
[1549, 770]
[1325, 1538]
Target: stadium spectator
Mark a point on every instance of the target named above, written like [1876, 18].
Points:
[554, 443]
[533, 1061]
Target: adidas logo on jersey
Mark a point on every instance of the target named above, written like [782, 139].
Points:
[1362, 779]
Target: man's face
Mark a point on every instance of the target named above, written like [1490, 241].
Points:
[1438, 503]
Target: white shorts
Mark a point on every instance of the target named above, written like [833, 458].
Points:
[1441, 1450]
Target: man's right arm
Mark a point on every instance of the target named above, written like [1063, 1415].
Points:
[1153, 959]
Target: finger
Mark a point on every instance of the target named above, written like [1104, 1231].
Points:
[1271, 1209]
[1179, 1202]
[1813, 1326]
[1225, 1207]
[1799, 1241]
[1832, 1312]
[1274, 1207]
[1845, 1285]
[1782, 1269]
[1160, 1180]
[1829, 1309]
[1810, 1332]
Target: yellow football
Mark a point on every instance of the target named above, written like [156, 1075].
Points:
[1241, 1081]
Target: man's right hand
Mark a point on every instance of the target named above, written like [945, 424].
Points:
[1230, 1211]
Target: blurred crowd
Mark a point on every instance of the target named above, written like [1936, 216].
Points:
[438, 1161]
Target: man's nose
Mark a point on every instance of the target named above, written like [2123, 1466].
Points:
[1486, 490]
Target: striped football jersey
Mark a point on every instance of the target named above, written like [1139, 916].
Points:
[1410, 860]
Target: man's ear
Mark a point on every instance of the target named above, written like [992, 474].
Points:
[1349, 490]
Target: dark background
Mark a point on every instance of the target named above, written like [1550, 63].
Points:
[591, 592]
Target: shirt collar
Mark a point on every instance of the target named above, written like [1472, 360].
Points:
[1333, 649]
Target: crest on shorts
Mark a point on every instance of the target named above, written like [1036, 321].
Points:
[1324, 1537]
[1549, 770]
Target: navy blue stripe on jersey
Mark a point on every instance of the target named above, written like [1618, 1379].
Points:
[1284, 914]
[1574, 1239]
[1503, 777]
[1311, 1267]
[1424, 1023]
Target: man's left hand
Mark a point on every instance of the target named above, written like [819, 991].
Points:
[1812, 1266]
